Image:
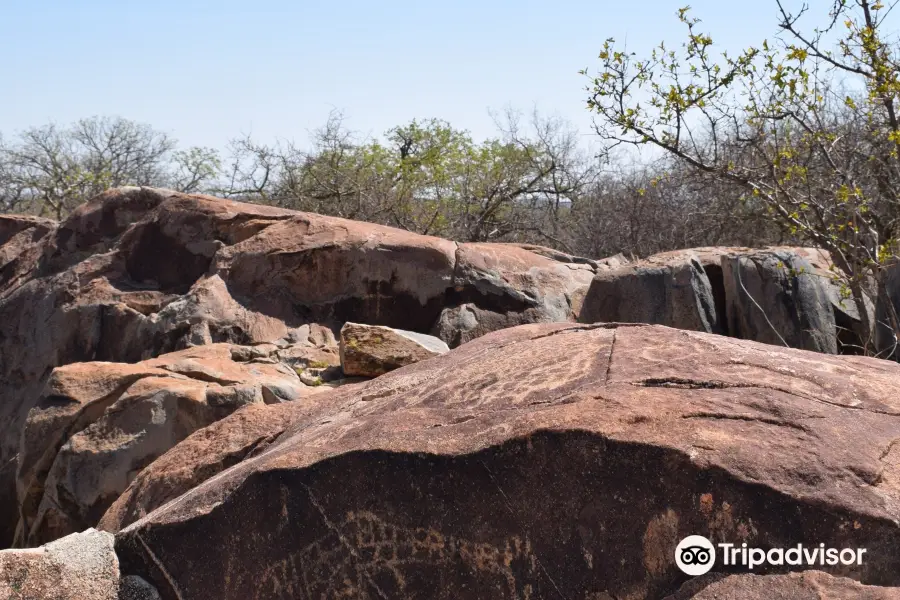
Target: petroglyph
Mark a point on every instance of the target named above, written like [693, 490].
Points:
[376, 560]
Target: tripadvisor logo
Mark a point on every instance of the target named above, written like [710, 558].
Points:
[696, 555]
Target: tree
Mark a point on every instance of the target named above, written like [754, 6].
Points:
[424, 176]
[50, 170]
[194, 170]
[805, 125]
[640, 209]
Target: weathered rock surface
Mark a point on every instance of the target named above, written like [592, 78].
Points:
[206, 453]
[98, 424]
[885, 339]
[373, 350]
[135, 588]
[80, 566]
[808, 585]
[851, 333]
[776, 297]
[666, 289]
[496, 286]
[779, 295]
[20, 247]
[545, 461]
[140, 272]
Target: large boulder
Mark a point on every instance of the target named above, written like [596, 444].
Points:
[373, 350]
[98, 424]
[852, 334]
[665, 289]
[548, 460]
[204, 454]
[775, 296]
[139, 272]
[496, 286]
[885, 337]
[80, 566]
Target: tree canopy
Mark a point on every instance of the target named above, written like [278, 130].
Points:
[805, 125]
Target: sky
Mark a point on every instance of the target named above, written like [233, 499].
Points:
[206, 72]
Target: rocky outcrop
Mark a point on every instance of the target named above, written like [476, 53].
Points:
[782, 296]
[776, 297]
[140, 272]
[496, 286]
[851, 330]
[98, 424]
[204, 454]
[373, 350]
[20, 247]
[549, 460]
[76, 567]
[886, 340]
[810, 585]
[668, 289]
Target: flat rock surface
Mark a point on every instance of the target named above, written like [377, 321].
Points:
[546, 461]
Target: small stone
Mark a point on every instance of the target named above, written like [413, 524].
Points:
[372, 350]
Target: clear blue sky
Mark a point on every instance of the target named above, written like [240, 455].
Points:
[207, 71]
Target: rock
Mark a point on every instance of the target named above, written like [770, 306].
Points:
[851, 329]
[13, 225]
[206, 453]
[496, 286]
[372, 350]
[467, 321]
[544, 461]
[564, 257]
[775, 296]
[8, 501]
[807, 585]
[687, 289]
[140, 272]
[135, 588]
[885, 339]
[98, 424]
[668, 289]
[76, 567]
[20, 247]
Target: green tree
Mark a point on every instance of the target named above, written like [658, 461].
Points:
[424, 176]
[805, 125]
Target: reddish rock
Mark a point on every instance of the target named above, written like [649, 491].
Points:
[373, 350]
[98, 424]
[139, 272]
[76, 567]
[546, 461]
[808, 585]
[204, 454]
[20, 247]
